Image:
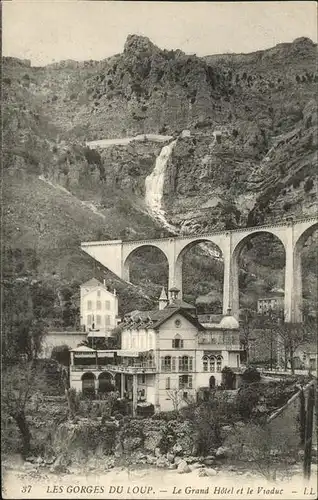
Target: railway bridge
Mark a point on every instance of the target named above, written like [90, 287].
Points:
[116, 255]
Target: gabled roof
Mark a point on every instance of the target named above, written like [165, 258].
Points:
[156, 318]
[92, 282]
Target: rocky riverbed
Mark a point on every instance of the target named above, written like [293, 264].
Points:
[104, 478]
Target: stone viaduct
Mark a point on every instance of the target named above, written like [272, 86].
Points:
[116, 255]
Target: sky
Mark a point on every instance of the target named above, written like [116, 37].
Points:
[52, 30]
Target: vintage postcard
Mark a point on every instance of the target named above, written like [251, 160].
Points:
[159, 250]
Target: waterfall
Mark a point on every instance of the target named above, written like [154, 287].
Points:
[154, 186]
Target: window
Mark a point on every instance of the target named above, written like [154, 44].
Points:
[89, 319]
[98, 305]
[177, 342]
[107, 305]
[166, 364]
[98, 293]
[89, 305]
[168, 383]
[107, 319]
[143, 378]
[219, 363]
[185, 382]
[173, 364]
[212, 364]
[150, 361]
[185, 364]
[98, 319]
[205, 363]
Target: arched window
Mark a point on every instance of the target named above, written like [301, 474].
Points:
[205, 363]
[177, 342]
[212, 364]
[219, 363]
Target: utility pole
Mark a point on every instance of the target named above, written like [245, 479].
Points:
[308, 432]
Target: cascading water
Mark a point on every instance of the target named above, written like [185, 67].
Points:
[154, 186]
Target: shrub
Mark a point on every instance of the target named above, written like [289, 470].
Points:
[167, 416]
[251, 375]
[246, 400]
[309, 184]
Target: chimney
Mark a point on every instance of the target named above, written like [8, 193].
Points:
[174, 294]
[163, 299]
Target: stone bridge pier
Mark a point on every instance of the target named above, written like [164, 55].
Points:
[117, 255]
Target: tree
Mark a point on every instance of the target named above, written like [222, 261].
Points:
[290, 337]
[176, 396]
[247, 323]
[61, 354]
[19, 383]
[22, 328]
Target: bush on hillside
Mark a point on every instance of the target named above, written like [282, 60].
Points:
[251, 375]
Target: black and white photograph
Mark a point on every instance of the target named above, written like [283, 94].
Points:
[159, 265]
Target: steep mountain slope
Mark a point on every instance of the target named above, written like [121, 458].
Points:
[248, 157]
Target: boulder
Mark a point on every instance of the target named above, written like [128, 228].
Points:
[157, 452]
[222, 452]
[207, 472]
[172, 466]
[170, 457]
[177, 460]
[211, 472]
[162, 462]
[209, 462]
[183, 467]
[177, 449]
[151, 460]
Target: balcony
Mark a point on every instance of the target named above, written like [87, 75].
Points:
[132, 369]
[219, 343]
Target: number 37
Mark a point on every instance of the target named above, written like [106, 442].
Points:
[26, 489]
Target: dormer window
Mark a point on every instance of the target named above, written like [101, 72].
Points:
[177, 342]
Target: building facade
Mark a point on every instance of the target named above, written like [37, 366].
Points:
[273, 301]
[98, 306]
[166, 356]
[98, 317]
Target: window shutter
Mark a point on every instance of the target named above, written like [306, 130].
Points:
[181, 343]
[180, 364]
[190, 364]
[173, 343]
[173, 364]
[168, 383]
[190, 381]
[162, 364]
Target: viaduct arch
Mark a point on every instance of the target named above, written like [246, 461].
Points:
[115, 256]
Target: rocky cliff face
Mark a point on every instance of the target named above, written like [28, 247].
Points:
[248, 156]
